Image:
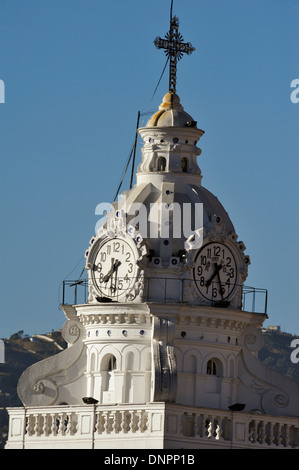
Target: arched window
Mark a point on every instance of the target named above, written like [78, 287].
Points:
[211, 367]
[184, 164]
[108, 363]
[111, 363]
[108, 366]
[161, 164]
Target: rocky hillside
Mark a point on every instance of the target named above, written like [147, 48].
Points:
[21, 351]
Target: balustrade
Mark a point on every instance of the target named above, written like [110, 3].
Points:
[50, 424]
[203, 427]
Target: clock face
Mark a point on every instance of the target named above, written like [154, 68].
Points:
[114, 270]
[215, 272]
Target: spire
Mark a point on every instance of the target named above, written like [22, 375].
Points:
[174, 48]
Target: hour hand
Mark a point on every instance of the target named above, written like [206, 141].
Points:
[107, 276]
[114, 266]
[215, 273]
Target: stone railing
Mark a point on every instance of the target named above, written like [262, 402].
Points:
[151, 426]
[220, 428]
[86, 426]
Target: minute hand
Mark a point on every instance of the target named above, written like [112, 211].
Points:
[113, 268]
[216, 272]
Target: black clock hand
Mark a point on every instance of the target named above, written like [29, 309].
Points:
[217, 269]
[115, 268]
[107, 277]
[221, 289]
[111, 271]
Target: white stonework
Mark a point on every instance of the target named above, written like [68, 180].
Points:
[162, 351]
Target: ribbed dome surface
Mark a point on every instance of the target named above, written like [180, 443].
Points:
[171, 114]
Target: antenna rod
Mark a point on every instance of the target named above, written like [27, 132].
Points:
[133, 163]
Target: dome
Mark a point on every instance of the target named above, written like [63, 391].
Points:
[171, 114]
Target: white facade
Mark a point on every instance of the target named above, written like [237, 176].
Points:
[163, 346]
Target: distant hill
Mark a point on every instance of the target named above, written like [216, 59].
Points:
[277, 351]
[21, 351]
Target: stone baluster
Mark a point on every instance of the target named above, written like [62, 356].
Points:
[254, 434]
[279, 434]
[96, 422]
[45, 428]
[67, 424]
[270, 434]
[105, 421]
[54, 424]
[203, 429]
[129, 419]
[287, 436]
[59, 424]
[123, 421]
[262, 436]
[219, 429]
[118, 422]
[111, 419]
[30, 425]
[143, 421]
[100, 422]
[209, 427]
[35, 426]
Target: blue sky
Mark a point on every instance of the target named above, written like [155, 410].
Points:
[77, 72]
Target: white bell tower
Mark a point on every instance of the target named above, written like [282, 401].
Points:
[163, 353]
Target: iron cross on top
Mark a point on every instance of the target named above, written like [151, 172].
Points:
[174, 49]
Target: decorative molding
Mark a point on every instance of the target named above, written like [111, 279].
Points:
[39, 384]
[165, 371]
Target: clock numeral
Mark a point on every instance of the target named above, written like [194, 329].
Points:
[130, 269]
[103, 256]
[128, 256]
[203, 260]
[199, 270]
[232, 273]
[98, 267]
[116, 246]
[217, 250]
[228, 263]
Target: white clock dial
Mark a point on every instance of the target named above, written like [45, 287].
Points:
[215, 272]
[114, 270]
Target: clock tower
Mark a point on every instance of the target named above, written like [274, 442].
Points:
[162, 353]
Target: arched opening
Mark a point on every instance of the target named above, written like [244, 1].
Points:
[211, 367]
[184, 164]
[108, 367]
[214, 367]
[161, 164]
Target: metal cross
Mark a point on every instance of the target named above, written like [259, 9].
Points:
[174, 49]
